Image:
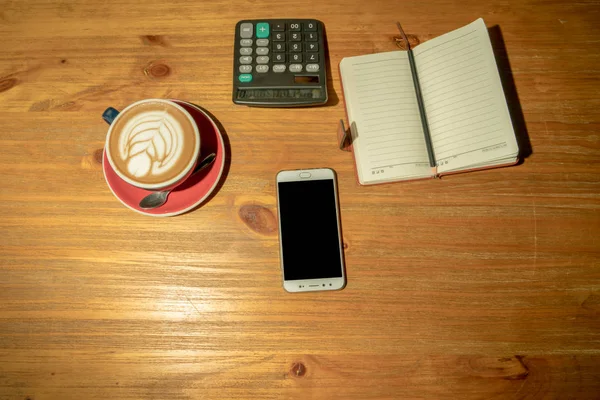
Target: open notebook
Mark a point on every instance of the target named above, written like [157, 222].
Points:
[464, 123]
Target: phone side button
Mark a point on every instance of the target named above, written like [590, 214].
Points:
[305, 175]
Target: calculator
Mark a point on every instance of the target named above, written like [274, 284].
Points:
[279, 63]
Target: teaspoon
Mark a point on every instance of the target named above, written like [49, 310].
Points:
[157, 199]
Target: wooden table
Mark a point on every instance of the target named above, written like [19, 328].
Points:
[482, 285]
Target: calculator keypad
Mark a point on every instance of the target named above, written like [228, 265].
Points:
[295, 44]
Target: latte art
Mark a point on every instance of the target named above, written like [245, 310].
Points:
[153, 143]
[150, 143]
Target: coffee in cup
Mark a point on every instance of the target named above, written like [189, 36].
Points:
[153, 144]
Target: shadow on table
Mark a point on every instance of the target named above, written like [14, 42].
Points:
[227, 164]
[332, 98]
[510, 91]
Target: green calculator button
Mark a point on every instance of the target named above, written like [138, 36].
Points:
[245, 78]
[262, 30]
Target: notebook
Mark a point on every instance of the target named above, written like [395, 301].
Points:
[463, 123]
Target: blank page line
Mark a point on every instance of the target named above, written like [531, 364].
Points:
[378, 135]
[357, 68]
[463, 97]
[472, 42]
[448, 41]
[446, 132]
[465, 118]
[463, 146]
[387, 152]
[380, 110]
[378, 95]
[375, 150]
[459, 106]
[478, 128]
[376, 86]
[370, 143]
[378, 89]
[470, 138]
[380, 74]
[384, 116]
[391, 158]
[456, 81]
[385, 99]
[450, 71]
[471, 151]
[399, 164]
[391, 105]
[431, 110]
[394, 124]
[432, 99]
[431, 72]
[389, 73]
[465, 70]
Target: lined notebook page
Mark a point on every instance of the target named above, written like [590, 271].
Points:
[387, 135]
[465, 105]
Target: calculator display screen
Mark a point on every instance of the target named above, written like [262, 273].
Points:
[280, 94]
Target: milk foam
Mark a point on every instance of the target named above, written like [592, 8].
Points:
[151, 143]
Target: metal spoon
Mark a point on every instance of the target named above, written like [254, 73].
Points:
[157, 199]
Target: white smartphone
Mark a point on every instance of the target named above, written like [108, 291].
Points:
[310, 237]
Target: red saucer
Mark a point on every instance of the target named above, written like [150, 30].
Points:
[192, 192]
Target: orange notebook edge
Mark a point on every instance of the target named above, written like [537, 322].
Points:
[462, 171]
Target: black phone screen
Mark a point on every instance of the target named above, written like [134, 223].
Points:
[309, 230]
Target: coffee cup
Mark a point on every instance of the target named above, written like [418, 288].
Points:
[153, 144]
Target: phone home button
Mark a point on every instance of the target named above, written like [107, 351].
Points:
[304, 175]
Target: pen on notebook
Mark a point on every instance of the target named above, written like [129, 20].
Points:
[413, 69]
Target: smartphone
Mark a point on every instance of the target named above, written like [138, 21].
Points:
[310, 239]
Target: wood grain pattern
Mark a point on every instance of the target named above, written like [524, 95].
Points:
[483, 285]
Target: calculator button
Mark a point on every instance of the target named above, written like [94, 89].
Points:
[245, 69]
[246, 42]
[246, 30]
[279, 27]
[262, 51]
[245, 60]
[277, 68]
[245, 78]
[296, 47]
[312, 46]
[310, 37]
[295, 36]
[262, 42]
[278, 47]
[295, 27]
[262, 59]
[312, 67]
[310, 26]
[261, 69]
[279, 58]
[279, 37]
[312, 57]
[295, 67]
[245, 51]
[295, 57]
[262, 30]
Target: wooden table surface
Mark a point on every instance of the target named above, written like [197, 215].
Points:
[481, 285]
